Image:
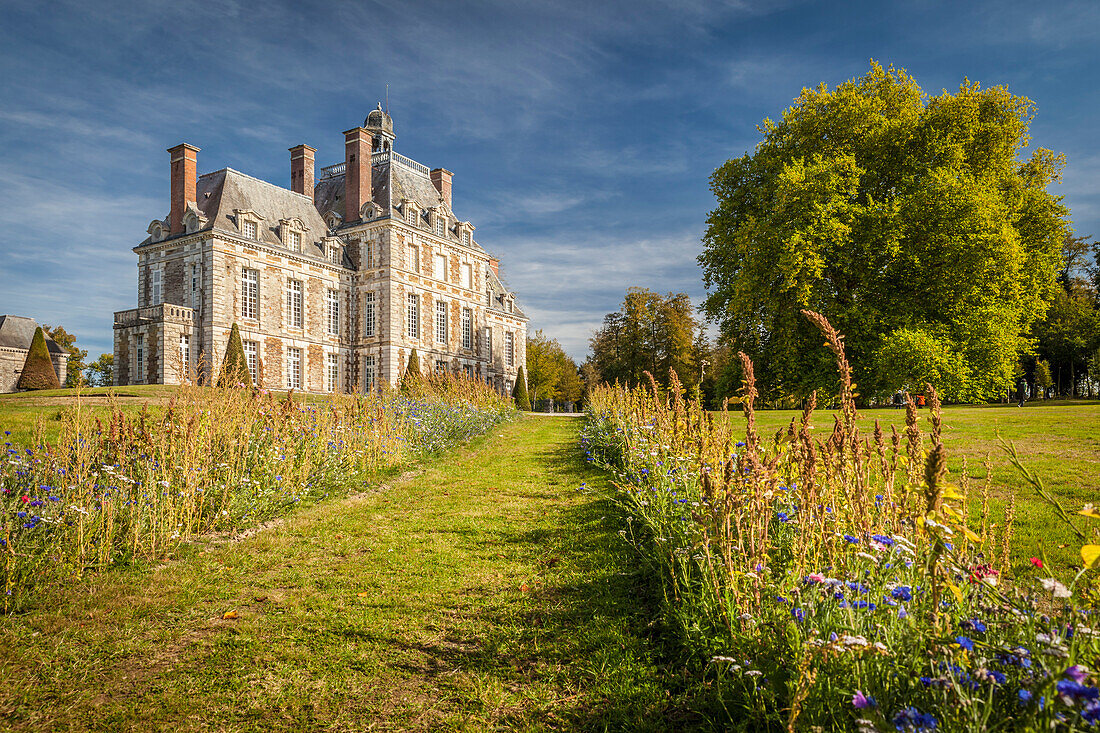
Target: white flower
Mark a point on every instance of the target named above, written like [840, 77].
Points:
[753, 673]
[1051, 585]
[723, 659]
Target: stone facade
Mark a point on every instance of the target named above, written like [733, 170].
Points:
[16, 333]
[332, 282]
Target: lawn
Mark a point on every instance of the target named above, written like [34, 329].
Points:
[483, 591]
[1061, 443]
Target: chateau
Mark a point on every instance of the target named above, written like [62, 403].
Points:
[332, 282]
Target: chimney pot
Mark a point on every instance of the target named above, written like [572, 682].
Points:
[184, 159]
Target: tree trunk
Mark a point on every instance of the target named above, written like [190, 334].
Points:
[1072, 381]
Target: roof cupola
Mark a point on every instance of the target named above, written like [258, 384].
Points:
[380, 126]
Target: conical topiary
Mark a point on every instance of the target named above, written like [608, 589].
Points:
[412, 372]
[235, 367]
[519, 392]
[38, 370]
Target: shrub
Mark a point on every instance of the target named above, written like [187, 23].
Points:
[836, 583]
[519, 392]
[38, 372]
[412, 376]
[235, 366]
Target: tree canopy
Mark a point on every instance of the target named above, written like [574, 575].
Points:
[651, 332]
[64, 339]
[551, 373]
[909, 221]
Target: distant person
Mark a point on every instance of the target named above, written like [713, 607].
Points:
[1021, 391]
[920, 400]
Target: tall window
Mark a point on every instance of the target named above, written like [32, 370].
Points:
[248, 229]
[488, 297]
[440, 225]
[410, 214]
[368, 255]
[295, 241]
[250, 294]
[368, 373]
[414, 316]
[185, 352]
[489, 341]
[252, 357]
[195, 297]
[467, 328]
[509, 348]
[154, 297]
[466, 237]
[332, 312]
[468, 276]
[440, 366]
[139, 358]
[294, 303]
[370, 318]
[414, 258]
[440, 267]
[334, 254]
[468, 370]
[332, 372]
[441, 322]
[293, 368]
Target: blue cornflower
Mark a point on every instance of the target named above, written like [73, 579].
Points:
[911, 719]
[902, 593]
[797, 614]
[783, 516]
[883, 539]
[1076, 691]
[964, 642]
[21, 514]
[851, 539]
[974, 624]
[1024, 696]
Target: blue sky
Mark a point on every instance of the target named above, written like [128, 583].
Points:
[581, 134]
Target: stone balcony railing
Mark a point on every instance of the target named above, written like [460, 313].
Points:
[163, 312]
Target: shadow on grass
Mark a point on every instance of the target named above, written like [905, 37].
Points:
[588, 629]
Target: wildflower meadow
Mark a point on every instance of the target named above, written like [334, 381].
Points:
[213, 460]
[845, 582]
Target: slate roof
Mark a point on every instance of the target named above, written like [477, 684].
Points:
[16, 332]
[500, 288]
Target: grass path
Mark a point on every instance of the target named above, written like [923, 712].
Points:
[483, 592]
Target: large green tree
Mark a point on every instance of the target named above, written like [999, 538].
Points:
[902, 218]
[652, 332]
[544, 366]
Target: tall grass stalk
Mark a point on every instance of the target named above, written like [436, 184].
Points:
[832, 581]
[213, 459]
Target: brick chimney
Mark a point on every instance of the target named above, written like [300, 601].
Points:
[357, 144]
[494, 265]
[441, 179]
[301, 169]
[184, 173]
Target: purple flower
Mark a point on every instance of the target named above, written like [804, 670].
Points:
[861, 701]
[902, 613]
[902, 593]
[851, 539]
[798, 614]
[1077, 673]
[1024, 695]
[964, 642]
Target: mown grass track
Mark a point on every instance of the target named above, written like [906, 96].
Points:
[483, 591]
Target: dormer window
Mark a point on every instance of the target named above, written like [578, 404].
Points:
[466, 237]
[410, 213]
[440, 224]
[248, 229]
[334, 253]
[158, 230]
[294, 241]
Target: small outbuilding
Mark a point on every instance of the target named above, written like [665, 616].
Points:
[16, 333]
